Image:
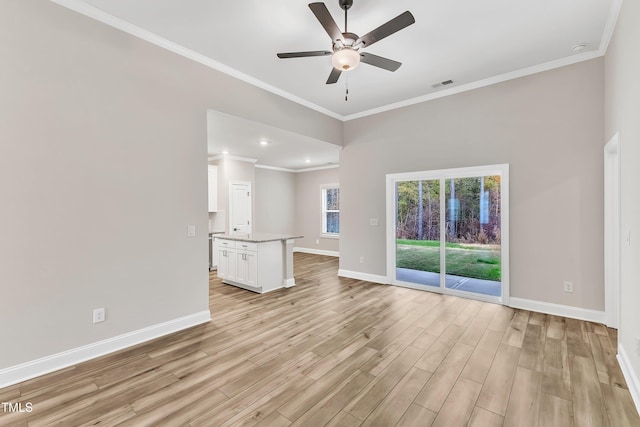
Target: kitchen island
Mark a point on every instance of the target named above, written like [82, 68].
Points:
[259, 262]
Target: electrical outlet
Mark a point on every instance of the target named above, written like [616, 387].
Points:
[361, 260]
[374, 222]
[317, 241]
[568, 286]
[98, 315]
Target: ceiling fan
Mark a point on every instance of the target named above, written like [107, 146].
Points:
[346, 49]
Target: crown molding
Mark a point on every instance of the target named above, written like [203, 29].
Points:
[275, 168]
[99, 15]
[607, 34]
[92, 12]
[232, 157]
[318, 168]
[562, 62]
[610, 26]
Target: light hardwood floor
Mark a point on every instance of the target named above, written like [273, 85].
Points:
[343, 352]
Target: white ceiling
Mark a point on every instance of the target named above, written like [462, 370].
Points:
[472, 42]
[240, 137]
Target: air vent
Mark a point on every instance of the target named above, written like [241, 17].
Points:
[444, 83]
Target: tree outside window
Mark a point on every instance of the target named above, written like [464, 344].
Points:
[331, 210]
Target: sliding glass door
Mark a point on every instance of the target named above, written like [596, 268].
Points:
[449, 231]
[418, 232]
[473, 235]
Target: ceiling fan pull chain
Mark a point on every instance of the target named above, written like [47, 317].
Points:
[346, 93]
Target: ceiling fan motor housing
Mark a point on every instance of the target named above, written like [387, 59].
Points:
[345, 4]
[349, 41]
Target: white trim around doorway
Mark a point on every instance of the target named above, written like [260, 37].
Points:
[467, 172]
[612, 231]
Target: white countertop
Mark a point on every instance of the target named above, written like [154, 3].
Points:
[257, 237]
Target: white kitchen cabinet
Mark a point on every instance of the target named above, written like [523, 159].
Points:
[214, 253]
[247, 268]
[255, 266]
[227, 259]
[213, 188]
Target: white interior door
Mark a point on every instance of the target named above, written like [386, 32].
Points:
[240, 207]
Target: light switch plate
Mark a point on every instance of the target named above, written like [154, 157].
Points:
[191, 231]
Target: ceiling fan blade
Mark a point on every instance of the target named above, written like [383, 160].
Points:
[396, 24]
[322, 13]
[304, 54]
[379, 61]
[334, 76]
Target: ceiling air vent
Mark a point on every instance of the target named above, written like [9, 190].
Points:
[444, 83]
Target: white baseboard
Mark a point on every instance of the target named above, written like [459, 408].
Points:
[630, 376]
[317, 252]
[45, 365]
[363, 276]
[558, 309]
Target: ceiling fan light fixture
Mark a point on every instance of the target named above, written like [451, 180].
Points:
[345, 59]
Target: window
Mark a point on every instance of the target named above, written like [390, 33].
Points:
[331, 210]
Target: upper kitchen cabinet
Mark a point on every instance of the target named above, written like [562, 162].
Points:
[213, 188]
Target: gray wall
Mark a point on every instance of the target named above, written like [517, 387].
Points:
[308, 209]
[275, 201]
[548, 127]
[622, 94]
[288, 202]
[103, 164]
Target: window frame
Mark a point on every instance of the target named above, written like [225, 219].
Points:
[324, 211]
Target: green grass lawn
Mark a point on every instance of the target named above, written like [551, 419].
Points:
[477, 261]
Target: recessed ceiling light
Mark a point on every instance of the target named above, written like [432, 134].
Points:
[307, 161]
[225, 152]
[264, 142]
[579, 47]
